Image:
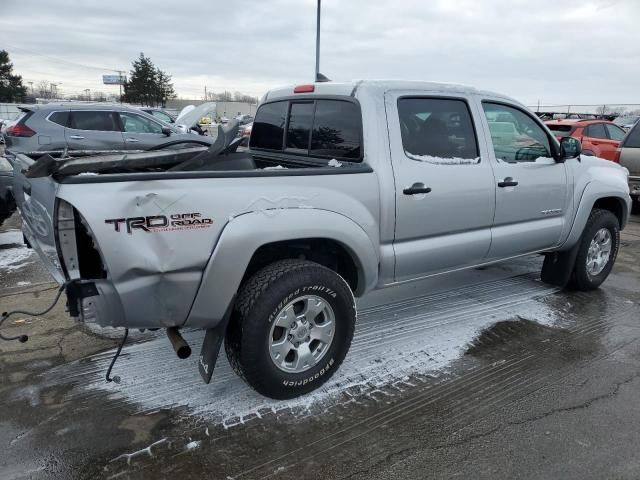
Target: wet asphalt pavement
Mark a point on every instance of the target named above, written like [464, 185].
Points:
[486, 374]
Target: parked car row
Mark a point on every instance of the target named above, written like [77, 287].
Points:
[56, 126]
[599, 138]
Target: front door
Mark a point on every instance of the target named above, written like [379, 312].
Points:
[141, 133]
[532, 198]
[444, 185]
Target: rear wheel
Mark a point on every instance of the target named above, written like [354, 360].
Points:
[597, 250]
[292, 327]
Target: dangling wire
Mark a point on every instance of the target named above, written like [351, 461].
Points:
[24, 338]
[116, 378]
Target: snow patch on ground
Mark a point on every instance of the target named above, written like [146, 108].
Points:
[192, 445]
[394, 344]
[14, 255]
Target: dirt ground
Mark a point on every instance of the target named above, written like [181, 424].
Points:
[485, 374]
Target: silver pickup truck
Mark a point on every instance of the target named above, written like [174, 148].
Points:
[346, 188]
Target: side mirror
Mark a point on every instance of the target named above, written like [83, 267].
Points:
[167, 131]
[569, 148]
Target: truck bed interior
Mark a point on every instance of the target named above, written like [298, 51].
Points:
[85, 164]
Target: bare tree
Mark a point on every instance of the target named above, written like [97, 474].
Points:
[43, 89]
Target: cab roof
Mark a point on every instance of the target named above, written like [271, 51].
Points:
[380, 86]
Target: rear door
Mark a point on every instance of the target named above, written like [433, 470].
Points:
[94, 130]
[532, 196]
[444, 184]
[598, 141]
[140, 132]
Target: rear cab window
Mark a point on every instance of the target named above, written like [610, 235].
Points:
[311, 127]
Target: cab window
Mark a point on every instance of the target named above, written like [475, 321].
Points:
[433, 129]
[516, 136]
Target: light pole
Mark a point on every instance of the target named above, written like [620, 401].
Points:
[319, 77]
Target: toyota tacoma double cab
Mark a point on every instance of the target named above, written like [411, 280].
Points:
[345, 188]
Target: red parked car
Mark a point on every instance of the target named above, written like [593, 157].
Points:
[599, 138]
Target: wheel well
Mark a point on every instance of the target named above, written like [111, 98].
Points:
[614, 205]
[326, 252]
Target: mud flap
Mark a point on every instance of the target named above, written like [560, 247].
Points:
[211, 345]
[558, 266]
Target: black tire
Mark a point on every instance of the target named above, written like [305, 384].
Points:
[581, 279]
[260, 300]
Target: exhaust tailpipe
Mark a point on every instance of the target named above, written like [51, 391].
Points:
[180, 346]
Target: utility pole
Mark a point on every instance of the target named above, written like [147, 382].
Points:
[32, 92]
[120, 72]
[317, 42]
[205, 93]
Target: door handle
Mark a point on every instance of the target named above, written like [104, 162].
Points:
[76, 137]
[132, 140]
[507, 182]
[416, 189]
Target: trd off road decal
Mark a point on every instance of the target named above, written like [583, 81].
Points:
[161, 223]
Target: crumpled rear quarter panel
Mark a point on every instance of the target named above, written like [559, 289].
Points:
[157, 272]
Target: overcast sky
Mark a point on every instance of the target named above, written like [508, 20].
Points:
[555, 51]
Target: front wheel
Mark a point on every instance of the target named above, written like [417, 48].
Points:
[292, 326]
[597, 250]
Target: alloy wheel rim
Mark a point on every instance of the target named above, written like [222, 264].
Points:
[599, 252]
[301, 334]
